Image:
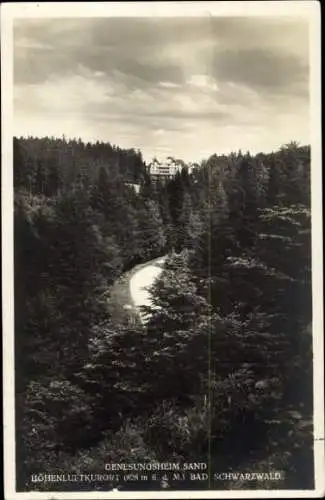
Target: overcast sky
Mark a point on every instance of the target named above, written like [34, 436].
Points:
[174, 86]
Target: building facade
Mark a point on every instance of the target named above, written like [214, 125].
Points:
[163, 170]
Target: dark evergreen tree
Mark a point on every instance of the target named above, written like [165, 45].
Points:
[41, 179]
[54, 180]
[20, 172]
[178, 330]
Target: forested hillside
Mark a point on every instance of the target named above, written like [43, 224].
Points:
[221, 372]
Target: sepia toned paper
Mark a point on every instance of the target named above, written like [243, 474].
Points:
[162, 250]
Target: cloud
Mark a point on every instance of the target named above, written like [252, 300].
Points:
[203, 82]
[182, 85]
[169, 85]
[262, 70]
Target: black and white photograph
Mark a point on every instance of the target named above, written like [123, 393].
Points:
[162, 250]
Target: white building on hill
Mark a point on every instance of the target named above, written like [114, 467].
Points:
[164, 170]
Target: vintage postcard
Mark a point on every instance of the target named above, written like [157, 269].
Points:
[162, 250]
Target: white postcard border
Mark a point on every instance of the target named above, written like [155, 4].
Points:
[10, 11]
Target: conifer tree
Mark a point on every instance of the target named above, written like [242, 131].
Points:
[40, 179]
[178, 328]
[150, 231]
[20, 172]
[54, 179]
